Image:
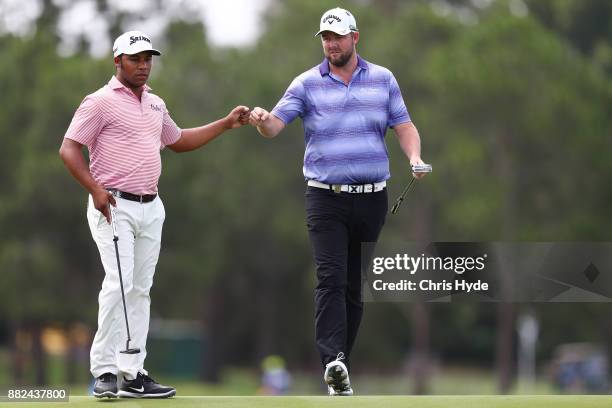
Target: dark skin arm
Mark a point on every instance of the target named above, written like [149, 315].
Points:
[194, 138]
[71, 153]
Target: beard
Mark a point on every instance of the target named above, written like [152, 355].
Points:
[342, 59]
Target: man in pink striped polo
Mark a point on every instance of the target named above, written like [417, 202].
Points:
[124, 126]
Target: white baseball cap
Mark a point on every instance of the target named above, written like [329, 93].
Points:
[338, 20]
[133, 42]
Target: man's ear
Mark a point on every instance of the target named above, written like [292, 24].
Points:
[117, 61]
[355, 37]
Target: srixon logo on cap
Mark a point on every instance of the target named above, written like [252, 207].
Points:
[133, 39]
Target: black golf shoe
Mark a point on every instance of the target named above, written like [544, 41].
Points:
[144, 386]
[106, 386]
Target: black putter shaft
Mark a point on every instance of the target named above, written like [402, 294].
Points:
[399, 200]
[127, 350]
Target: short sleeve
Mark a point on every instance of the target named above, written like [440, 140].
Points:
[397, 109]
[87, 122]
[292, 104]
[171, 133]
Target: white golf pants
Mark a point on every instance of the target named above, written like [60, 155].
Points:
[140, 229]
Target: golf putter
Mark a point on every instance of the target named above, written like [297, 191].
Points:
[127, 350]
[417, 168]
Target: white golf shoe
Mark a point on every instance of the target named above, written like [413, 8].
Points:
[333, 393]
[337, 378]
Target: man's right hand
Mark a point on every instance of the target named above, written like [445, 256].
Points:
[258, 116]
[101, 199]
[266, 123]
[72, 155]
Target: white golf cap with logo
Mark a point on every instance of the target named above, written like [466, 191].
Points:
[338, 20]
[133, 42]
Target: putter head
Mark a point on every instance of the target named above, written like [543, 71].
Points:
[130, 351]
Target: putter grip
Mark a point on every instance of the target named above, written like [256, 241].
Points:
[421, 168]
[113, 221]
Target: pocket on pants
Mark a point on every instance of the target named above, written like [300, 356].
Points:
[317, 223]
[163, 207]
[101, 219]
[96, 217]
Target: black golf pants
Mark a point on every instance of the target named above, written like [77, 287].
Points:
[338, 223]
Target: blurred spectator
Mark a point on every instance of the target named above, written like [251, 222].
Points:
[275, 378]
[580, 367]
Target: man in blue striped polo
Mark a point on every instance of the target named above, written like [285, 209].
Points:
[346, 105]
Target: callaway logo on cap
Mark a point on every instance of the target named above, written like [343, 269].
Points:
[133, 42]
[338, 20]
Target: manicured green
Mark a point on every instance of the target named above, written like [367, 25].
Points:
[476, 401]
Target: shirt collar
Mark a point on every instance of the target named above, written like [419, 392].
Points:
[114, 83]
[324, 66]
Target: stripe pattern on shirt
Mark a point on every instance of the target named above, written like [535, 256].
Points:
[124, 136]
[345, 125]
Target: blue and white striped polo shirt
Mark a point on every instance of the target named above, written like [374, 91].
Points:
[345, 125]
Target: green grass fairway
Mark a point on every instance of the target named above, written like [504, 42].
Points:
[477, 401]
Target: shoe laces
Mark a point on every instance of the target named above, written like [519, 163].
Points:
[146, 378]
[340, 356]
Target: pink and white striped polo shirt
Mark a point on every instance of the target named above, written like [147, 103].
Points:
[124, 136]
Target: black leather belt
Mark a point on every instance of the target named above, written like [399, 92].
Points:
[147, 198]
